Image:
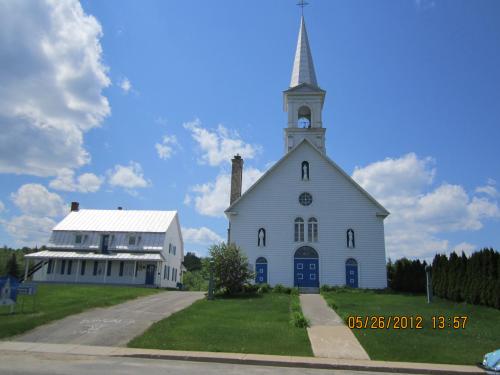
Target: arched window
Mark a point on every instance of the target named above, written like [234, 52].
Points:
[351, 242]
[312, 229]
[299, 230]
[305, 171]
[261, 237]
[304, 117]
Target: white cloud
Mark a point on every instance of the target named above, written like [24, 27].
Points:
[36, 200]
[187, 200]
[129, 177]
[466, 247]
[30, 230]
[125, 85]
[220, 145]
[421, 214]
[166, 148]
[201, 236]
[489, 189]
[51, 85]
[85, 183]
[212, 198]
[424, 5]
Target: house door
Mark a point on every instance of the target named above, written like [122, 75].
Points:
[261, 271]
[351, 273]
[306, 268]
[150, 274]
[105, 243]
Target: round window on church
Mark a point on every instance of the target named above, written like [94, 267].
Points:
[305, 199]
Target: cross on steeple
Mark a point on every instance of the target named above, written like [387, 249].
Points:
[302, 4]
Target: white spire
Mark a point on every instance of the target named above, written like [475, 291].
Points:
[303, 67]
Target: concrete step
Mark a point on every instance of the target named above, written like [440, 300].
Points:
[305, 290]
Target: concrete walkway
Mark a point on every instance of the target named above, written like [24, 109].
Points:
[91, 352]
[112, 326]
[329, 336]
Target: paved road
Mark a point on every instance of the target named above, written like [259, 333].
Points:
[54, 364]
[329, 336]
[112, 326]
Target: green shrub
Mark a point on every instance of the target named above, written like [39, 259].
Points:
[279, 288]
[299, 320]
[250, 288]
[231, 269]
[264, 288]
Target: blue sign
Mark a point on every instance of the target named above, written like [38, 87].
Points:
[8, 290]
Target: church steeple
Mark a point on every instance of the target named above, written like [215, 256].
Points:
[303, 66]
[304, 99]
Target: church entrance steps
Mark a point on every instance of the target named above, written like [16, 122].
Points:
[303, 290]
[328, 334]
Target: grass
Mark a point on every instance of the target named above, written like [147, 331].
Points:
[259, 324]
[56, 301]
[462, 346]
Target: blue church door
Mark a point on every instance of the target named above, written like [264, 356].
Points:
[306, 268]
[261, 271]
[351, 273]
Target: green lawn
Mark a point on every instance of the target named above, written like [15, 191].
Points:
[259, 324]
[462, 346]
[55, 301]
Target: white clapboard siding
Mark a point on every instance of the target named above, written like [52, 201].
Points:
[337, 205]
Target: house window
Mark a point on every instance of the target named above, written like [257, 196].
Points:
[312, 230]
[108, 270]
[174, 249]
[96, 265]
[170, 248]
[132, 240]
[305, 199]
[168, 272]
[351, 243]
[78, 238]
[82, 270]
[70, 265]
[305, 171]
[261, 238]
[63, 266]
[50, 266]
[165, 272]
[122, 264]
[299, 230]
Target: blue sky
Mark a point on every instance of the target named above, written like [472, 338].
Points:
[148, 101]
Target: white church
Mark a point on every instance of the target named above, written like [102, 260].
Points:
[306, 222]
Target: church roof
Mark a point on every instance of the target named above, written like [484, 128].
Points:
[383, 211]
[303, 67]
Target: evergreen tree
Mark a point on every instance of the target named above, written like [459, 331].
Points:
[12, 268]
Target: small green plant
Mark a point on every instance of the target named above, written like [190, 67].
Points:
[299, 320]
[280, 288]
[264, 288]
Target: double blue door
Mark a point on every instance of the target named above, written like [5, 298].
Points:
[351, 275]
[150, 274]
[261, 273]
[306, 273]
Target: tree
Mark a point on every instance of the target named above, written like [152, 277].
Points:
[12, 268]
[231, 268]
[192, 262]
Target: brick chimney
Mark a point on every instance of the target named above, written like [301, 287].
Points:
[236, 178]
[75, 206]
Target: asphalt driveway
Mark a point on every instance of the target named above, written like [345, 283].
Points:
[112, 326]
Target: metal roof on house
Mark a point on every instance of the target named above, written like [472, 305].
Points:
[117, 221]
[47, 254]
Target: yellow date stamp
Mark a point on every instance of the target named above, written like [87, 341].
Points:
[406, 322]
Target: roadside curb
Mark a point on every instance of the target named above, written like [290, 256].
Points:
[244, 359]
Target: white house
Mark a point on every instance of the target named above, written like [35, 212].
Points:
[112, 247]
[306, 222]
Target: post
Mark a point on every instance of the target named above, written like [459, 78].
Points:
[105, 271]
[135, 270]
[428, 278]
[211, 282]
[26, 268]
[78, 267]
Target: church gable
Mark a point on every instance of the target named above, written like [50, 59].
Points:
[306, 162]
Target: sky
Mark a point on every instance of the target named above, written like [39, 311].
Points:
[142, 104]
